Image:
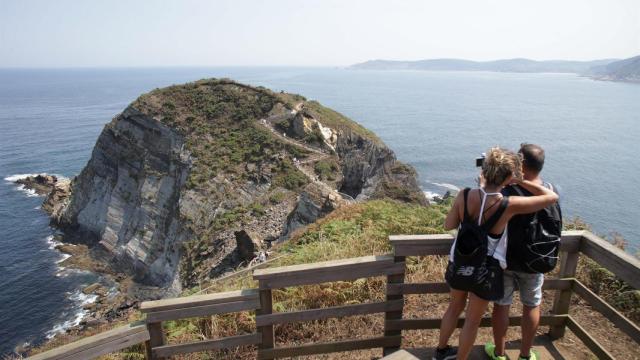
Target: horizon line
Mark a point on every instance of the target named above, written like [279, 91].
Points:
[70, 67]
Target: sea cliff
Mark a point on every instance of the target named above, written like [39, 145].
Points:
[179, 178]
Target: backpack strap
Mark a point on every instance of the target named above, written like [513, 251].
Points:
[467, 217]
[550, 187]
[496, 215]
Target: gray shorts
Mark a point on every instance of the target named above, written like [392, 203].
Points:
[530, 286]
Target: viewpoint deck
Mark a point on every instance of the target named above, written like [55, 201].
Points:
[546, 351]
[259, 303]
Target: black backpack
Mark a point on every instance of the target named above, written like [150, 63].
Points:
[473, 269]
[538, 238]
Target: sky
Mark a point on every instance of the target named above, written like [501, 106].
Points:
[133, 33]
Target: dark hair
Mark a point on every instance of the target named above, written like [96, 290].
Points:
[532, 157]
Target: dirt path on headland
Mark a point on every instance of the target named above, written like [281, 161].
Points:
[299, 164]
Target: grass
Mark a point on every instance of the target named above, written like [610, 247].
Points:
[359, 230]
[350, 231]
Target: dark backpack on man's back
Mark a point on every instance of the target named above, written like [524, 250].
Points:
[534, 239]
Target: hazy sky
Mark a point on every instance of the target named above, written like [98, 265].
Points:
[67, 33]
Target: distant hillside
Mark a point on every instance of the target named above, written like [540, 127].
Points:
[623, 70]
[508, 65]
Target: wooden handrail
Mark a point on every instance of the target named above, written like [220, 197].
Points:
[608, 311]
[99, 344]
[392, 266]
[198, 300]
[623, 265]
[327, 271]
[434, 323]
[440, 244]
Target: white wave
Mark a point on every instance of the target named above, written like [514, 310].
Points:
[64, 257]
[80, 299]
[447, 186]
[52, 242]
[430, 195]
[16, 177]
[64, 272]
[28, 192]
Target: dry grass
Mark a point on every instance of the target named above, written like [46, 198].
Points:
[360, 230]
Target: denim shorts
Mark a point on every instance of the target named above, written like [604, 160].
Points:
[530, 286]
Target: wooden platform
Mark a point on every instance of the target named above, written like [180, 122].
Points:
[478, 353]
[542, 345]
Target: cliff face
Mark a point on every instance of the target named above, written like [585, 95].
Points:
[370, 170]
[127, 197]
[183, 170]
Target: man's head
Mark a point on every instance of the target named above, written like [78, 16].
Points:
[532, 159]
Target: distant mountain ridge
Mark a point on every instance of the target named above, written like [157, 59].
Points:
[623, 70]
[507, 65]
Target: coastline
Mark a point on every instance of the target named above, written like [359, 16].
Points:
[72, 260]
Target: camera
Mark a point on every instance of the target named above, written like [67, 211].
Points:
[480, 160]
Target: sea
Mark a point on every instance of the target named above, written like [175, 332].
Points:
[439, 122]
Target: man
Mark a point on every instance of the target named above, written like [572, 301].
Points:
[529, 282]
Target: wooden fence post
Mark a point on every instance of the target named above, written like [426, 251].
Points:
[266, 331]
[394, 315]
[562, 298]
[156, 338]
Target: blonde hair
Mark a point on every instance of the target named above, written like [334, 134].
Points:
[499, 165]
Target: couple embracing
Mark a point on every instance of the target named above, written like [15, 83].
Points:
[508, 236]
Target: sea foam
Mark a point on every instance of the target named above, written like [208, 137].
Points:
[447, 186]
[29, 192]
[80, 299]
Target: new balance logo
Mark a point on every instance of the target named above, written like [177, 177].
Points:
[465, 270]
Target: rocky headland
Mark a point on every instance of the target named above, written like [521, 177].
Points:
[191, 181]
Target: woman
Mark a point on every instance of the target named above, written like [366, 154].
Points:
[486, 207]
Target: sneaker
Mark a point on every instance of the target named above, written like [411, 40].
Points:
[533, 355]
[490, 350]
[448, 353]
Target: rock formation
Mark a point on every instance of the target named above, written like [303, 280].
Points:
[41, 183]
[186, 174]
[56, 191]
[248, 244]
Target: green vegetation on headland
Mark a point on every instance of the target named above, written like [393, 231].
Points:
[218, 119]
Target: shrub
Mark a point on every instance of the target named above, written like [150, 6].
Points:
[276, 197]
[326, 169]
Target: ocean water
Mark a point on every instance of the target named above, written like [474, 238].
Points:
[439, 122]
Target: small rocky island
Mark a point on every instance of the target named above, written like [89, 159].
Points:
[191, 181]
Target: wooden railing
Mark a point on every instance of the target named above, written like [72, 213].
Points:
[97, 345]
[393, 267]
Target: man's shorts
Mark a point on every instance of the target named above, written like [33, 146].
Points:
[530, 286]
